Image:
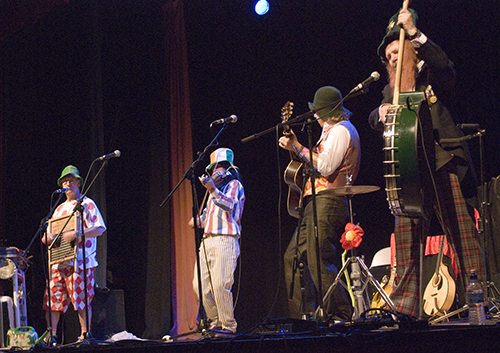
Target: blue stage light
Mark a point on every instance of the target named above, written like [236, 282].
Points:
[261, 7]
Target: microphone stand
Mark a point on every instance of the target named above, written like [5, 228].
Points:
[483, 224]
[42, 230]
[190, 173]
[87, 336]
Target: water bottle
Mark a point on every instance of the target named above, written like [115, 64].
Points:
[475, 300]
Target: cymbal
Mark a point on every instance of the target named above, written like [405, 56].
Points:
[352, 190]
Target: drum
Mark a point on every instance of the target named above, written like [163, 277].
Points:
[10, 259]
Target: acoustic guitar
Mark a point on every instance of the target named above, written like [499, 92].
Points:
[293, 172]
[439, 293]
[387, 286]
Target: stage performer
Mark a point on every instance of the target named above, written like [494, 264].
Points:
[66, 278]
[337, 157]
[219, 249]
[427, 68]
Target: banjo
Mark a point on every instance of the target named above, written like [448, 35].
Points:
[408, 148]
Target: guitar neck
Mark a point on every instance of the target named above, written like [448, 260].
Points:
[440, 254]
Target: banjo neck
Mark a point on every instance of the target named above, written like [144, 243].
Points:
[399, 64]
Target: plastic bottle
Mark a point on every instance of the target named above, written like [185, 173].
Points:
[475, 300]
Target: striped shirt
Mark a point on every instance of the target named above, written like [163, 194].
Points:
[224, 209]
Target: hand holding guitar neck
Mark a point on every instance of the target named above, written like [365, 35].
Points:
[305, 160]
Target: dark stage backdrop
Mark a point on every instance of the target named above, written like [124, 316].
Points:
[240, 64]
[251, 66]
[85, 79]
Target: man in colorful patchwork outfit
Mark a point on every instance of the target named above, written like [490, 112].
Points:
[220, 248]
[66, 278]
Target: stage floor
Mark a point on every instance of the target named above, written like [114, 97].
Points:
[357, 338]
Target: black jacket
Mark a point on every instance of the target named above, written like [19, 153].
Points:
[439, 72]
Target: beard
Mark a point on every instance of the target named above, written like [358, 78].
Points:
[409, 69]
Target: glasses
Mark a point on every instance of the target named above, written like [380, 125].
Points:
[69, 181]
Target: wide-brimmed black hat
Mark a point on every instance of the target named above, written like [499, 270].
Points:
[392, 32]
[328, 96]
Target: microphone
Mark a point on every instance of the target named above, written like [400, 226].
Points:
[373, 77]
[60, 191]
[114, 154]
[470, 127]
[230, 119]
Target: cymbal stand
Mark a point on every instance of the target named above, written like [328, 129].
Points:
[358, 270]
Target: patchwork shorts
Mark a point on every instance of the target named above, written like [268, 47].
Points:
[64, 284]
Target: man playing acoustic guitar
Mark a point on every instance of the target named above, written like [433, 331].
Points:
[336, 156]
[426, 68]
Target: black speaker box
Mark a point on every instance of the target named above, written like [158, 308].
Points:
[108, 316]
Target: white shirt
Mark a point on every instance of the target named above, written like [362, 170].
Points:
[335, 147]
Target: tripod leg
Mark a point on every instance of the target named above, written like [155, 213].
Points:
[492, 297]
[328, 294]
[303, 302]
[377, 285]
[359, 303]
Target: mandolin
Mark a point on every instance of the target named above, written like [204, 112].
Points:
[439, 293]
[293, 172]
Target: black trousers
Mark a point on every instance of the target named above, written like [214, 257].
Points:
[332, 215]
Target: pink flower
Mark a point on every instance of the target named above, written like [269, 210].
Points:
[352, 237]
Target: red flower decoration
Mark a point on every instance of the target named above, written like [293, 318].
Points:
[352, 237]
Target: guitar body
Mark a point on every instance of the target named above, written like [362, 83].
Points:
[387, 286]
[440, 292]
[408, 145]
[294, 179]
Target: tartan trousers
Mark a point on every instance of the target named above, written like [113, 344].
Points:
[459, 226]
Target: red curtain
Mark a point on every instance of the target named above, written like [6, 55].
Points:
[184, 300]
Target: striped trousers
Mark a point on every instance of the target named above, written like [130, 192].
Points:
[218, 260]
